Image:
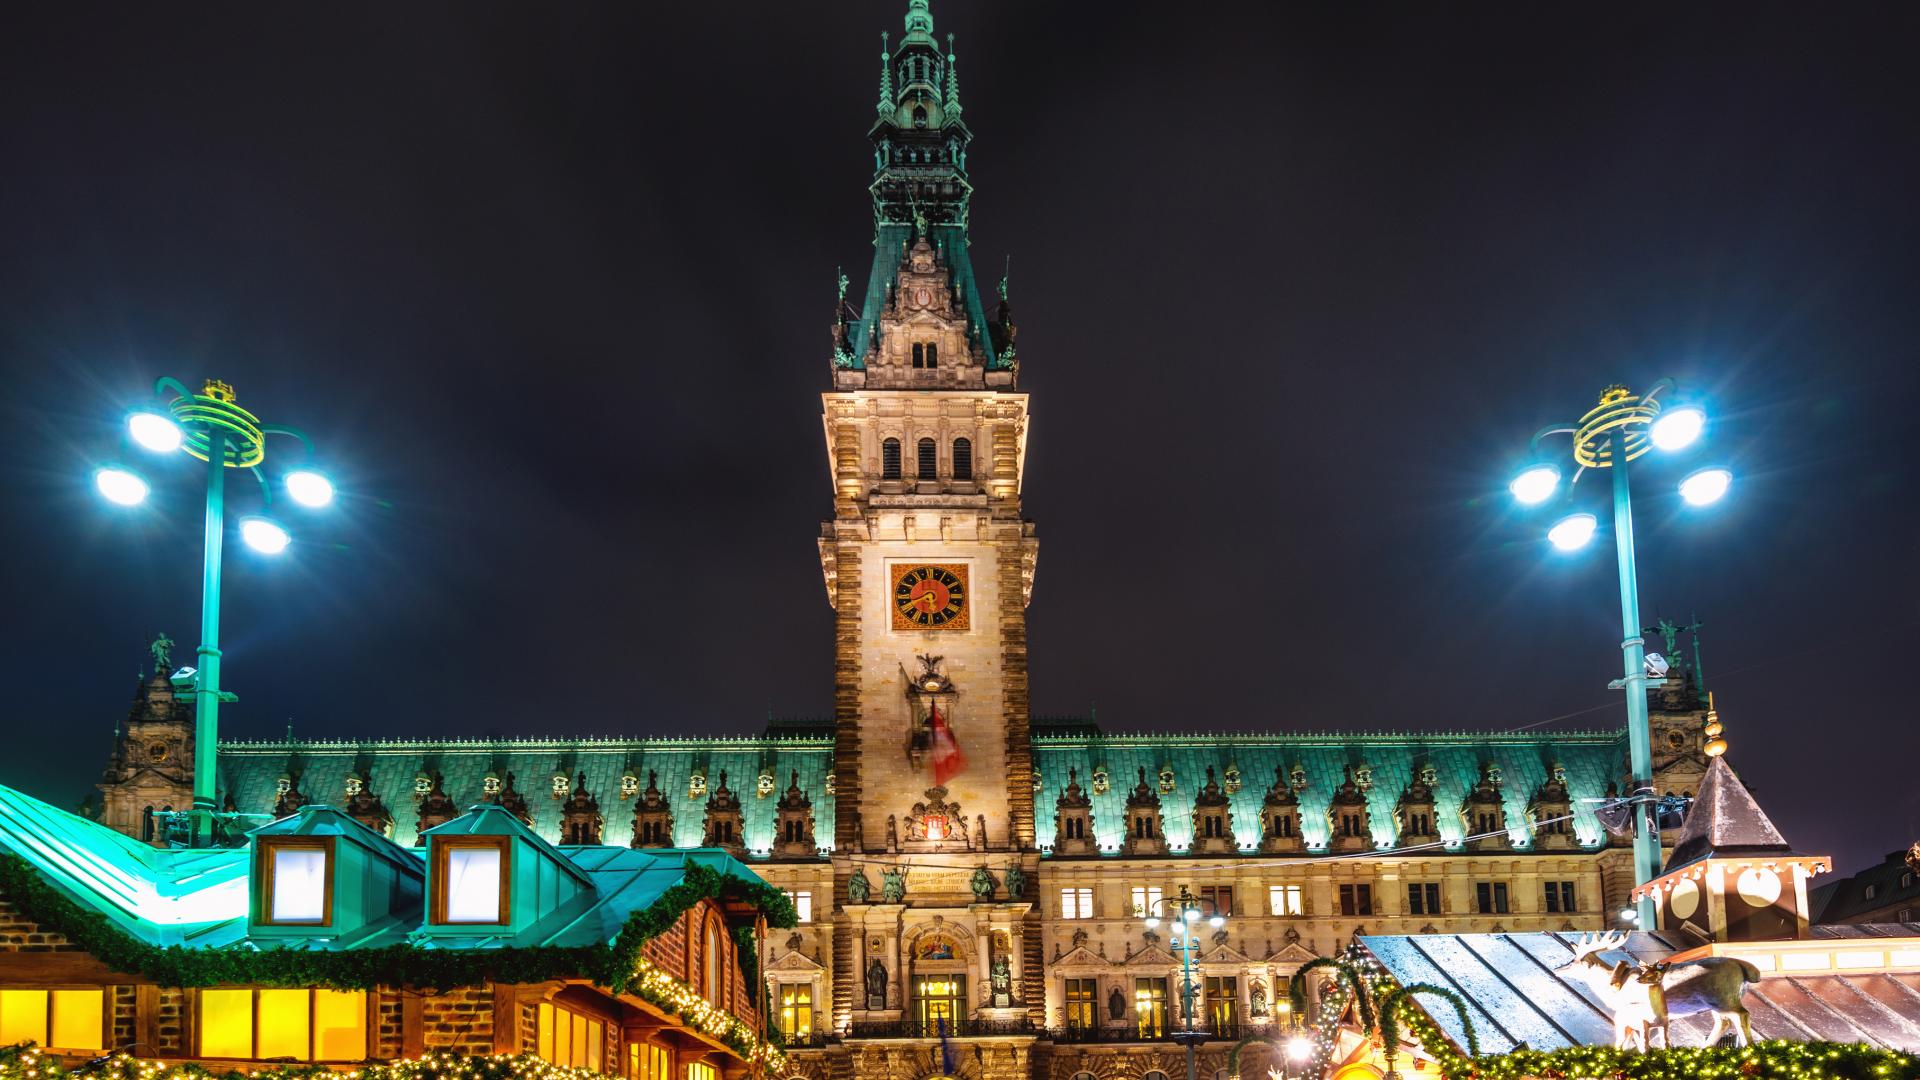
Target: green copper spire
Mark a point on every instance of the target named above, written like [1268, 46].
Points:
[953, 80]
[886, 78]
[919, 21]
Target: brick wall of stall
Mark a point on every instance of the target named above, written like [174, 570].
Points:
[460, 1020]
[21, 934]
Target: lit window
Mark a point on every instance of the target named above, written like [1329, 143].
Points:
[1082, 1006]
[715, 958]
[1283, 899]
[796, 1010]
[1146, 899]
[803, 904]
[304, 1025]
[1076, 903]
[645, 1061]
[61, 1019]
[569, 1038]
[1150, 1010]
[297, 879]
[700, 1070]
[471, 880]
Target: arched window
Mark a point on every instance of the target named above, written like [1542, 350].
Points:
[929, 460]
[933, 355]
[919, 355]
[714, 965]
[962, 459]
[146, 824]
[919, 116]
[890, 459]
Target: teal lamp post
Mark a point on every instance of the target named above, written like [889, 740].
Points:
[213, 428]
[1618, 430]
[1184, 914]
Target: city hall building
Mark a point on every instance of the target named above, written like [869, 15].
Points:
[972, 881]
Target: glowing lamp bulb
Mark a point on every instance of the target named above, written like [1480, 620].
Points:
[1192, 915]
[154, 431]
[1153, 921]
[1534, 483]
[309, 488]
[118, 485]
[1217, 922]
[1705, 486]
[1678, 428]
[1571, 533]
[264, 535]
[1299, 1048]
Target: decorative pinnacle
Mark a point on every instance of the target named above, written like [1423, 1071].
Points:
[886, 77]
[1614, 393]
[953, 80]
[218, 391]
[1716, 739]
[919, 20]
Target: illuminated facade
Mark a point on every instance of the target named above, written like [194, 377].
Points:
[970, 878]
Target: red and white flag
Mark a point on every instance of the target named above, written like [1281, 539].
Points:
[945, 752]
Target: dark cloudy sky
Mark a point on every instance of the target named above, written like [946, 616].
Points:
[551, 284]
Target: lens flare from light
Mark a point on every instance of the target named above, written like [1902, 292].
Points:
[1535, 483]
[154, 431]
[1678, 428]
[1705, 486]
[309, 488]
[122, 486]
[1153, 922]
[264, 535]
[1572, 532]
[1217, 922]
[1299, 1048]
[1193, 915]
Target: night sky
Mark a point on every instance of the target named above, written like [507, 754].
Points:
[552, 286]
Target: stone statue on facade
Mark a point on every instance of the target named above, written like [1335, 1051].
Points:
[1116, 1005]
[876, 984]
[162, 650]
[1257, 1001]
[1002, 976]
[1016, 880]
[983, 886]
[858, 887]
[893, 885]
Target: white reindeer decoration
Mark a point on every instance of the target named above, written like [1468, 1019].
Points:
[1644, 996]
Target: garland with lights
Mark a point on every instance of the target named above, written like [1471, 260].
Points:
[617, 965]
[1398, 1001]
[28, 1062]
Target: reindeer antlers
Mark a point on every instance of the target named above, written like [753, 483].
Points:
[1589, 945]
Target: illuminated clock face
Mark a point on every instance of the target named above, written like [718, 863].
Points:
[930, 597]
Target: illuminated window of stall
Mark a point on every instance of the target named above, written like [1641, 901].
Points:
[296, 880]
[302, 1025]
[700, 1070]
[470, 877]
[568, 1038]
[58, 1019]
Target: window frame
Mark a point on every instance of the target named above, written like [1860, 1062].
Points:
[1423, 898]
[369, 1023]
[1142, 899]
[962, 450]
[1286, 901]
[442, 845]
[1076, 902]
[1356, 898]
[47, 1022]
[1088, 1006]
[1492, 898]
[545, 1020]
[926, 458]
[1221, 896]
[785, 1010]
[894, 469]
[802, 900]
[266, 869]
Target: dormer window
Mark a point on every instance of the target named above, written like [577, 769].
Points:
[470, 879]
[296, 880]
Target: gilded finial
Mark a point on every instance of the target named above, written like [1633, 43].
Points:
[1614, 393]
[1716, 741]
[218, 391]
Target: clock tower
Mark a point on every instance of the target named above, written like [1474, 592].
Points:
[927, 560]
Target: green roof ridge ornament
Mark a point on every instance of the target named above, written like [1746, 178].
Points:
[919, 21]
[953, 81]
[885, 105]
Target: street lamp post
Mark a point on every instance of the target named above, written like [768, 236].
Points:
[212, 427]
[1184, 913]
[1619, 429]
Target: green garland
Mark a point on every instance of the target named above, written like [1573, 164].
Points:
[611, 965]
[1343, 971]
[1399, 1000]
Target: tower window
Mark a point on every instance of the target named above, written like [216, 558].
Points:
[919, 116]
[962, 459]
[919, 355]
[933, 355]
[890, 459]
[929, 459]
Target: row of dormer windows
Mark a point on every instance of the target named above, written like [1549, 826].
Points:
[927, 456]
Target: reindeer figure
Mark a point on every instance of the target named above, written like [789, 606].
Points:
[1644, 996]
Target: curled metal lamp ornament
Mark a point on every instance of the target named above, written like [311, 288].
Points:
[245, 442]
[1619, 409]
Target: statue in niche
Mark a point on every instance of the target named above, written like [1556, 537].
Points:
[1079, 939]
[1002, 976]
[983, 886]
[1016, 880]
[1257, 998]
[979, 833]
[858, 887]
[893, 885]
[893, 834]
[876, 984]
[1116, 1005]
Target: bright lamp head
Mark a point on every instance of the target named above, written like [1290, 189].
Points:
[309, 488]
[264, 535]
[1534, 483]
[1217, 921]
[1704, 486]
[120, 485]
[1678, 427]
[1572, 532]
[1192, 914]
[1153, 921]
[1299, 1048]
[155, 431]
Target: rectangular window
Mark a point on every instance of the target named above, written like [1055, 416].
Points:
[1222, 897]
[803, 904]
[1223, 999]
[1560, 897]
[58, 1019]
[1283, 899]
[796, 1010]
[700, 1070]
[1150, 1008]
[1423, 898]
[470, 880]
[1491, 897]
[304, 1025]
[1146, 900]
[939, 1003]
[568, 1038]
[297, 879]
[1082, 1003]
[1356, 899]
[656, 1063]
[1076, 903]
